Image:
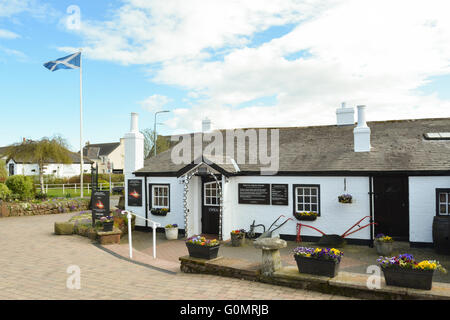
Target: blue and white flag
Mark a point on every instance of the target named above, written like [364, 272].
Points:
[72, 61]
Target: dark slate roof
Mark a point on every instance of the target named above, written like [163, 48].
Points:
[95, 151]
[397, 145]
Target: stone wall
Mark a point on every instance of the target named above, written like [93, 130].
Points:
[15, 209]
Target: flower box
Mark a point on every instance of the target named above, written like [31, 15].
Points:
[202, 252]
[305, 216]
[320, 261]
[108, 226]
[159, 212]
[408, 278]
[405, 271]
[326, 268]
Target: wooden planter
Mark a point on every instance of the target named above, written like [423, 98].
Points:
[202, 252]
[408, 278]
[326, 268]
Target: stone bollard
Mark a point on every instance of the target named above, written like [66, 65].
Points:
[271, 259]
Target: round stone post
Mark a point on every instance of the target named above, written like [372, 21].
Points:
[271, 259]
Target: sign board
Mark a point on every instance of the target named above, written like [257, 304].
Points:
[100, 204]
[254, 193]
[134, 193]
[279, 194]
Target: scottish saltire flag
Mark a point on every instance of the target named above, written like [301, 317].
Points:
[69, 62]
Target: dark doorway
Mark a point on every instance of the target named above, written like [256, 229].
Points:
[210, 206]
[391, 206]
[11, 169]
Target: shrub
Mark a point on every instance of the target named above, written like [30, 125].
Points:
[41, 196]
[22, 186]
[3, 172]
[103, 184]
[5, 193]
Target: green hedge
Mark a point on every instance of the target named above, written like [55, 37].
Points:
[22, 186]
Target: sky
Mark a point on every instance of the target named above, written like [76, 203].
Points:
[241, 63]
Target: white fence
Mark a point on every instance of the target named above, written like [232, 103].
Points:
[75, 187]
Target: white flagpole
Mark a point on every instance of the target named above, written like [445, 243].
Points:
[81, 126]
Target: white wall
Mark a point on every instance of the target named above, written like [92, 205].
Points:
[57, 169]
[422, 206]
[176, 214]
[335, 218]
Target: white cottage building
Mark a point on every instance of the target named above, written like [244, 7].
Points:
[396, 171]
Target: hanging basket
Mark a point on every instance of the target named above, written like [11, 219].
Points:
[305, 217]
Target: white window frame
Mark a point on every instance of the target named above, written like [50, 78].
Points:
[304, 194]
[446, 203]
[160, 186]
[217, 196]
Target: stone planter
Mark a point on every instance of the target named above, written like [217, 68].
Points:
[408, 278]
[110, 237]
[171, 233]
[326, 268]
[202, 252]
[237, 239]
[384, 248]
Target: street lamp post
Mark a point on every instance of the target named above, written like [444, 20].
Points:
[154, 130]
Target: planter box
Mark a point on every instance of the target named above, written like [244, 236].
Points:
[304, 218]
[108, 226]
[158, 213]
[202, 252]
[326, 268]
[171, 233]
[237, 240]
[111, 237]
[384, 248]
[408, 278]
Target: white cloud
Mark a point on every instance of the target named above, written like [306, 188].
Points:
[155, 102]
[6, 34]
[360, 51]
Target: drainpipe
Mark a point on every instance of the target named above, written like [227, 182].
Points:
[371, 210]
[146, 201]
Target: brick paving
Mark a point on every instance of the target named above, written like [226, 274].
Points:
[34, 262]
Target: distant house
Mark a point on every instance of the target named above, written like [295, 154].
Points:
[103, 154]
[17, 166]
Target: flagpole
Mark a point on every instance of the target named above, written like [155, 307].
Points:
[81, 127]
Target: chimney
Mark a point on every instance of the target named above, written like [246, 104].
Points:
[345, 116]
[134, 147]
[206, 125]
[362, 132]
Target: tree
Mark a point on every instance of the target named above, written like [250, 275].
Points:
[41, 152]
[162, 143]
[3, 171]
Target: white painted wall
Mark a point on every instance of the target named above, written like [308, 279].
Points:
[335, 217]
[422, 206]
[57, 169]
[176, 214]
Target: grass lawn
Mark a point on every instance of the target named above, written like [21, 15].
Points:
[58, 193]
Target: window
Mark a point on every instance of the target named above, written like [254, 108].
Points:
[442, 202]
[307, 198]
[160, 196]
[211, 194]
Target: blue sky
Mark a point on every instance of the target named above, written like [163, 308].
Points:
[239, 63]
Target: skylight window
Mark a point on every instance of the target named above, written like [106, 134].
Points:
[437, 136]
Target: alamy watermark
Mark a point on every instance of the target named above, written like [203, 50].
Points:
[374, 281]
[259, 147]
[73, 20]
[74, 280]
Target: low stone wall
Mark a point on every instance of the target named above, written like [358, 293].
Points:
[15, 209]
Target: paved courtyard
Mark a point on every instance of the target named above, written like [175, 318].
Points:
[34, 262]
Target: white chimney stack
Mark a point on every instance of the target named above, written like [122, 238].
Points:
[206, 125]
[134, 147]
[362, 132]
[345, 116]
